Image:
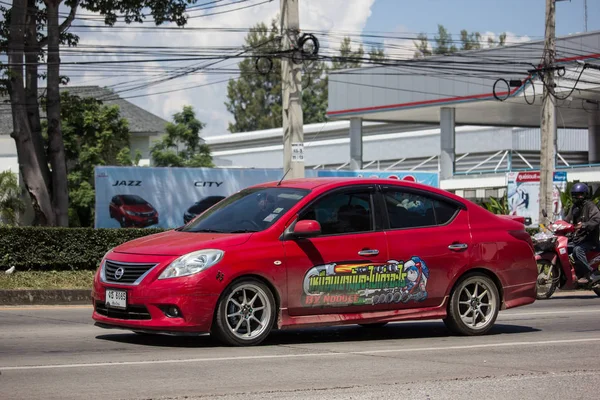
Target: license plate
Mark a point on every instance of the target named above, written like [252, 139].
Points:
[116, 298]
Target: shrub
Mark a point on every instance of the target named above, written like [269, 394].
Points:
[42, 248]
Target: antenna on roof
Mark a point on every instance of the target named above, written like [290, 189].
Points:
[286, 172]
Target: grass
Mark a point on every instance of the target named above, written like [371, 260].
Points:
[47, 280]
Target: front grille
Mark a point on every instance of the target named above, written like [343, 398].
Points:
[127, 273]
[132, 312]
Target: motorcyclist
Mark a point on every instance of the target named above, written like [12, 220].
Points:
[585, 215]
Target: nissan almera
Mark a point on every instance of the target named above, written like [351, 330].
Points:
[318, 252]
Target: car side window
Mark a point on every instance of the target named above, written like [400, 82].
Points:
[444, 211]
[341, 213]
[411, 210]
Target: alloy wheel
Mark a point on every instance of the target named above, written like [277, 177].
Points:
[248, 311]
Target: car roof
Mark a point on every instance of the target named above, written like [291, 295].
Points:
[324, 184]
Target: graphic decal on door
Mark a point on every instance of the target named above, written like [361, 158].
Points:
[349, 284]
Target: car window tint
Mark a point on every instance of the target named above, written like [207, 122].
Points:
[342, 213]
[444, 211]
[409, 210]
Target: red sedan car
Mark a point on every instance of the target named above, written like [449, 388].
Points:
[315, 252]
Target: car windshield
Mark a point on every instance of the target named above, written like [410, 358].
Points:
[133, 199]
[250, 210]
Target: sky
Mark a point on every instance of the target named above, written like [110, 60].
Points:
[522, 20]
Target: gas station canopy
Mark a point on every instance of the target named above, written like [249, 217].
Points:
[415, 90]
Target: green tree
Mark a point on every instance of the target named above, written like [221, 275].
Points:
[376, 54]
[348, 58]
[94, 134]
[182, 146]
[422, 46]
[11, 203]
[470, 41]
[31, 33]
[254, 99]
[501, 41]
[443, 41]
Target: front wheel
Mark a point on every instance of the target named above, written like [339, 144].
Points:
[547, 280]
[474, 306]
[245, 314]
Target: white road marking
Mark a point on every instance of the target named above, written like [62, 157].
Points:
[305, 355]
[530, 314]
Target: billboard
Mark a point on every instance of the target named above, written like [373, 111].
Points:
[160, 197]
[146, 197]
[523, 194]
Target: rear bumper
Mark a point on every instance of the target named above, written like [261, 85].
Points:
[519, 295]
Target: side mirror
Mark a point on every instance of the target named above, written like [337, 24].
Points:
[306, 229]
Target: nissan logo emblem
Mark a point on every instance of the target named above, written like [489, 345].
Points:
[119, 273]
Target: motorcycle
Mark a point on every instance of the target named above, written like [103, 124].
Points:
[556, 265]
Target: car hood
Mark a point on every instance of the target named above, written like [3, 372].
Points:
[138, 207]
[175, 243]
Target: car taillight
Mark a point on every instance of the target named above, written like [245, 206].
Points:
[522, 235]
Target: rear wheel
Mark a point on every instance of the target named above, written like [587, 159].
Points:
[547, 279]
[474, 306]
[245, 314]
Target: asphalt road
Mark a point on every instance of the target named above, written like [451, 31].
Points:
[548, 350]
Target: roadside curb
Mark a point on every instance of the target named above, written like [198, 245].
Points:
[44, 297]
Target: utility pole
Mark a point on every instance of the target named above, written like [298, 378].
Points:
[585, 15]
[291, 78]
[548, 125]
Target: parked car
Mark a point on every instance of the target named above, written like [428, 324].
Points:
[315, 252]
[132, 211]
[200, 206]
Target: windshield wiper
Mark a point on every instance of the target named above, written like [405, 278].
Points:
[207, 231]
[244, 231]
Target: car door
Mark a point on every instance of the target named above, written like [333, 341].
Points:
[429, 237]
[330, 273]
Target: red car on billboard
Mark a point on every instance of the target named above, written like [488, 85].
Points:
[131, 210]
[317, 252]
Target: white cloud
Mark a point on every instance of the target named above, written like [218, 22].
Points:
[511, 38]
[331, 17]
[402, 45]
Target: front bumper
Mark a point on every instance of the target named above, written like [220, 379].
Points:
[145, 312]
[141, 222]
[148, 301]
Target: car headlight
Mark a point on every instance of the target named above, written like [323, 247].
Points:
[192, 263]
[102, 272]
[131, 213]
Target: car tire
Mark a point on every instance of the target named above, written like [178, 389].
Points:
[473, 296]
[374, 325]
[597, 291]
[554, 275]
[241, 305]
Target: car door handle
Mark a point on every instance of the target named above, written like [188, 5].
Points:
[367, 252]
[458, 246]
